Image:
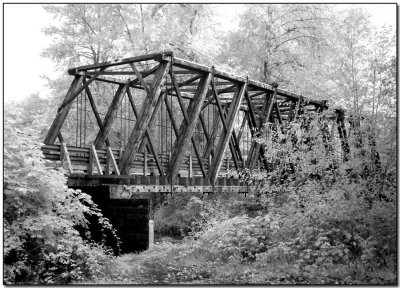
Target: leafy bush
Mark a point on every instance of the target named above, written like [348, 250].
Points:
[41, 245]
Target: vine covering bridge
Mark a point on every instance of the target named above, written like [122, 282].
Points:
[172, 125]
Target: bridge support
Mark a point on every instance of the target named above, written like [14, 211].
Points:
[143, 119]
[63, 113]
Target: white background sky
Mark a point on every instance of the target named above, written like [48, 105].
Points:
[24, 42]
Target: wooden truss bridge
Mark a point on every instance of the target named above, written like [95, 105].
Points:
[171, 125]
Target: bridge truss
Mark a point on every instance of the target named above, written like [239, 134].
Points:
[171, 125]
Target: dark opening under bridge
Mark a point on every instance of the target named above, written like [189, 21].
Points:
[171, 126]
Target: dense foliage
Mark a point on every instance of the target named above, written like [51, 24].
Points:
[328, 222]
[41, 243]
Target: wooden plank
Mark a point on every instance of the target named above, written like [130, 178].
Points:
[96, 159]
[63, 113]
[146, 57]
[187, 126]
[186, 120]
[110, 116]
[145, 164]
[190, 166]
[111, 156]
[65, 157]
[90, 167]
[224, 139]
[143, 119]
[107, 168]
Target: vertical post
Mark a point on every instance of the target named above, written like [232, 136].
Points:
[108, 156]
[145, 163]
[90, 168]
[151, 233]
[190, 166]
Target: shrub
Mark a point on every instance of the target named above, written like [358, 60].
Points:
[41, 245]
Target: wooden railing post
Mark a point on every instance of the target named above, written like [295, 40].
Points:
[145, 163]
[64, 157]
[190, 166]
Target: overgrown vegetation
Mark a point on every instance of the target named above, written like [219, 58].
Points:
[328, 222]
[41, 244]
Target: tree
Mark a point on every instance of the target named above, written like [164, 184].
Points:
[272, 38]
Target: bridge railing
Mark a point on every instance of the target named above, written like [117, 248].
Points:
[144, 163]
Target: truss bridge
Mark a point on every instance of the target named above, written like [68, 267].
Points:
[158, 123]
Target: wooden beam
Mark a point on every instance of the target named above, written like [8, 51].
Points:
[239, 137]
[263, 119]
[224, 139]
[186, 117]
[150, 143]
[76, 93]
[225, 125]
[187, 126]
[153, 56]
[238, 79]
[211, 95]
[143, 119]
[94, 157]
[214, 134]
[296, 111]
[278, 112]
[257, 131]
[110, 116]
[203, 124]
[171, 116]
[96, 113]
[186, 82]
[63, 113]
[139, 76]
[253, 125]
[64, 157]
[151, 122]
[135, 111]
[110, 155]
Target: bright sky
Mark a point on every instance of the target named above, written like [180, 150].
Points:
[24, 41]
